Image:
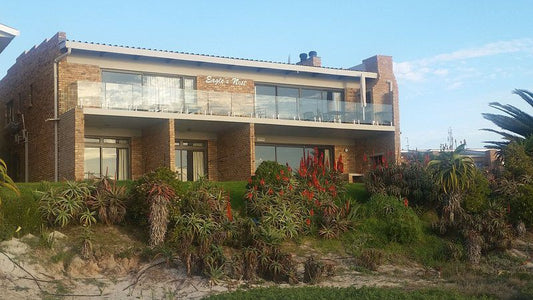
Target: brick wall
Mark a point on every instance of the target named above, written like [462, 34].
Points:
[382, 92]
[225, 84]
[136, 150]
[71, 129]
[30, 82]
[212, 160]
[158, 146]
[69, 73]
[236, 153]
[348, 158]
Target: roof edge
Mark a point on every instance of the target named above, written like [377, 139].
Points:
[94, 47]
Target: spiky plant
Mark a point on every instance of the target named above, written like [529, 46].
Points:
[515, 124]
[453, 173]
[473, 247]
[5, 180]
[159, 196]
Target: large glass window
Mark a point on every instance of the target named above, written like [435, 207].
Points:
[106, 157]
[286, 102]
[147, 91]
[191, 160]
[290, 154]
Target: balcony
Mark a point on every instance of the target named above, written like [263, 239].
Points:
[174, 100]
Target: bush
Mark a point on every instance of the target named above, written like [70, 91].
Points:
[138, 203]
[477, 193]
[308, 201]
[400, 223]
[521, 205]
[410, 181]
[200, 226]
[267, 172]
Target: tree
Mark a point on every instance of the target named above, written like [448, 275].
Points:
[5, 180]
[516, 124]
[453, 173]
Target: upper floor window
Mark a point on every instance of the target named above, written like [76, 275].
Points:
[10, 112]
[134, 91]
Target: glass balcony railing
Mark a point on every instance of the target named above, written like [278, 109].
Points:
[158, 99]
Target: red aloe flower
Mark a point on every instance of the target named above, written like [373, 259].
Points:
[308, 222]
[281, 193]
[262, 182]
[270, 191]
[311, 212]
[228, 210]
[340, 165]
[250, 195]
[405, 202]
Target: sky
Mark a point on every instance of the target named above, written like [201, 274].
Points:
[451, 58]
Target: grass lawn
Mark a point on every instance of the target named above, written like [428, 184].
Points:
[341, 293]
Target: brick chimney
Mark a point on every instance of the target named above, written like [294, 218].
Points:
[313, 60]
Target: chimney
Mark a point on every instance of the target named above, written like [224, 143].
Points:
[313, 60]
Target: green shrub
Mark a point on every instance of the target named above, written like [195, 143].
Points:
[410, 181]
[302, 202]
[200, 225]
[477, 193]
[138, 204]
[521, 205]
[267, 171]
[400, 223]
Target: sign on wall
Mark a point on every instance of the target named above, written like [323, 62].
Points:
[214, 80]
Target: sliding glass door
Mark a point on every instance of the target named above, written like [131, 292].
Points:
[191, 158]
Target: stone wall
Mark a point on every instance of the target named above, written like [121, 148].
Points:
[236, 153]
[158, 146]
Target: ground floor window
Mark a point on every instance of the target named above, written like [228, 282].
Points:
[191, 159]
[290, 154]
[107, 157]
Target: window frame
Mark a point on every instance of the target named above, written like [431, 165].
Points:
[178, 145]
[101, 145]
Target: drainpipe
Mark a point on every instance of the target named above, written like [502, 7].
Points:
[56, 115]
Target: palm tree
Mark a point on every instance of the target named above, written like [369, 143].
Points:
[5, 180]
[516, 124]
[453, 172]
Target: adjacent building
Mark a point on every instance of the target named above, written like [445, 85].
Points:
[75, 110]
[7, 34]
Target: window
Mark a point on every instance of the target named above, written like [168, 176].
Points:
[106, 157]
[289, 154]
[30, 96]
[191, 159]
[10, 112]
[146, 91]
[286, 102]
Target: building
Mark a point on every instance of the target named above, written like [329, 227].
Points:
[7, 34]
[75, 110]
[484, 159]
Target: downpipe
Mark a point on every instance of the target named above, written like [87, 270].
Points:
[56, 114]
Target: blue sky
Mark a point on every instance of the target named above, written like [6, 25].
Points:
[451, 57]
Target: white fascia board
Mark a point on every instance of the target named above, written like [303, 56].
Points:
[8, 30]
[203, 117]
[217, 60]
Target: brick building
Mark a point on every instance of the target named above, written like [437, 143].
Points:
[75, 110]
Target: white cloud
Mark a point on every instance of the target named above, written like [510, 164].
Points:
[419, 70]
